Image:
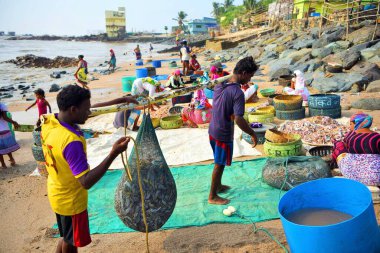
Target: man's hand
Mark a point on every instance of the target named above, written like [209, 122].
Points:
[120, 146]
[131, 99]
[16, 125]
[254, 140]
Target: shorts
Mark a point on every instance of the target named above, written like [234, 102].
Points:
[74, 229]
[186, 61]
[222, 151]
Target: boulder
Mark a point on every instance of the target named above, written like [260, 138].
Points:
[286, 53]
[297, 55]
[280, 72]
[338, 83]
[303, 43]
[375, 60]
[23, 87]
[338, 46]
[330, 35]
[314, 32]
[32, 61]
[280, 48]
[350, 58]
[373, 86]
[266, 57]
[254, 52]
[368, 53]
[367, 104]
[321, 52]
[270, 47]
[369, 70]
[275, 65]
[314, 65]
[63, 72]
[362, 35]
[56, 75]
[54, 88]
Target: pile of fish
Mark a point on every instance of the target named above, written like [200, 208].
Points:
[316, 130]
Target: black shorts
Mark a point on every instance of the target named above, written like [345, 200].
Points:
[74, 229]
[186, 61]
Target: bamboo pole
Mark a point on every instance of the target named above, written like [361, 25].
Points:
[160, 97]
[320, 25]
[348, 21]
[377, 16]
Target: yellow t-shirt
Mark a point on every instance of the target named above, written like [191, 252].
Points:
[66, 194]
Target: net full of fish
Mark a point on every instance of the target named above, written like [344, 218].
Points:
[160, 193]
[316, 130]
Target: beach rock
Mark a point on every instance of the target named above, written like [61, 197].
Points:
[338, 46]
[374, 86]
[23, 87]
[54, 88]
[321, 52]
[361, 46]
[270, 47]
[375, 60]
[350, 58]
[328, 36]
[286, 53]
[280, 48]
[63, 72]
[4, 96]
[277, 64]
[356, 88]
[338, 83]
[314, 32]
[362, 35]
[254, 52]
[55, 75]
[266, 57]
[297, 55]
[367, 104]
[368, 53]
[32, 61]
[371, 71]
[280, 72]
[303, 43]
[314, 64]
[31, 98]
[7, 88]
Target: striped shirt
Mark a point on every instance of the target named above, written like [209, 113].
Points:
[363, 143]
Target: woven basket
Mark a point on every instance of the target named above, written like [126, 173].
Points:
[271, 97]
[155, 122]
[260, 117]
[285, 80]
[324, 152]
[41, 167]
[175, 110]
[334, 113]
[276, 136]
[266, 109]
[38, 153]
[171, 122]
[267, 92]
[287, 102]
[291, 115]
[260, 133]
[283, 149]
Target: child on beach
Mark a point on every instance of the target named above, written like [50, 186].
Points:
[8, 142]
[82, 71]
[69, 176]
[194, 64]
[42, 104]
[184, 54]
[228, 106]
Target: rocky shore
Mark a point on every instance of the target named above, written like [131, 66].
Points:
[33, 61]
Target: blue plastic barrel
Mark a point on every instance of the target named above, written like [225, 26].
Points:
[140, 73]
[156, 64]
[126, 83]
[209, 93]
[358, 234]
[139, 62]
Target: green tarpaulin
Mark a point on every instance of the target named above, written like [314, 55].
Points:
[249, 194]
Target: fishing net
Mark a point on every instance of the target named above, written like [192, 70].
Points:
[160, 193]
[287, 172]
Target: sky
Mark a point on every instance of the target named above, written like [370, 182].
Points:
[83, 17]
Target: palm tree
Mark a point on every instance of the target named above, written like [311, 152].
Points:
[216, 9]
[181, 18]
[166, 30]
[249, 4]
[228, 3]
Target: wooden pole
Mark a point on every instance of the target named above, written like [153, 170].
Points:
[377, 16]
[323, 13]
[348, 21]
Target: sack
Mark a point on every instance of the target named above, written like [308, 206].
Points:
[160, 193]
[299, 169]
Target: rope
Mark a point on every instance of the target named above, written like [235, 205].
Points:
[128, 171]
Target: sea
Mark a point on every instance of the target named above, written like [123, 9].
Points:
[95, 53]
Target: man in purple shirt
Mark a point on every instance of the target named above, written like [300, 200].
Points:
[228, 106]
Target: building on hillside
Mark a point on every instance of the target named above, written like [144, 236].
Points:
[115, 23]
[201, 25]
[11, 33]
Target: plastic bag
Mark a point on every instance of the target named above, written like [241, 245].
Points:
[160, 193]
[299, 169]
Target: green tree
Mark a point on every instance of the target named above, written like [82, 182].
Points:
[216, 9]
[180, 19]
[228, 3]
[249, 4]
[166, 30]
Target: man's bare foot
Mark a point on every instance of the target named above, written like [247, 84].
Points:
[13, 162]
[223, 188]
[3, 167]
[218, 201]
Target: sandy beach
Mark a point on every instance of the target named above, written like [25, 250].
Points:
[27, 218]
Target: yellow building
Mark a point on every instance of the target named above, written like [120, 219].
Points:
[115, 23]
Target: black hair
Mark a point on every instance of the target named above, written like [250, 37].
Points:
[72, 95]
[247, 65]
[40, 92]
[194, 56]
[81, 56]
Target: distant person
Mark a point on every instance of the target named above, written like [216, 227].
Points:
[298, 86]
[82, 71]
[146, 87]
[70, 176]
[112, 61]
[138, 53]
[194, 64]
[175, 80]
[42, 104]
[150, 48]
[227, 108]
[8, 142]
[184, 53]
[177, 40]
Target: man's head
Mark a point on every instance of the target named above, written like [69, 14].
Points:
[184, 42]
[74, 102]
[80, 57]
[245, 69]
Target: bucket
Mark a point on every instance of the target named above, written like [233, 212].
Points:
[140, 73]
[209, 93]
[357, 234]
[139, 62]
[126, 83]
[156, 64]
